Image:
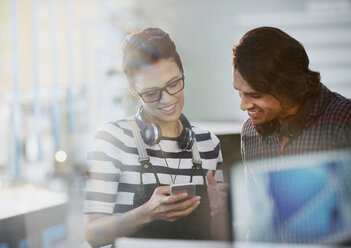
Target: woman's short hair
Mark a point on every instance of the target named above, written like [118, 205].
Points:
[146, 48]
[273, 62]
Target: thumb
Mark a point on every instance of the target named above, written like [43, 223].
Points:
[210, 178]
[163, 190]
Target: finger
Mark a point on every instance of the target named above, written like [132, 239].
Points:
[190, 209]
[173, 219]
[218, 211]
[163, 190]
[214, 212]
[174, 198]
[223, 186]
[179, 206]
[210, 178]
[184, 204]
[185, 212]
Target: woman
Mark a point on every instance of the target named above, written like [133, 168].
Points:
[133, 161]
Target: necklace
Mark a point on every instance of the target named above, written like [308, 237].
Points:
[173, 177]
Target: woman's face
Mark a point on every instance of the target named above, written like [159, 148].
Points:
[156, 76]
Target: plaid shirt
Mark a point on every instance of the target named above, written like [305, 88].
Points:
[327, 128]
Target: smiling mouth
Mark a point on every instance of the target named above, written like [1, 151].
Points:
[168, 109]
[254, 114]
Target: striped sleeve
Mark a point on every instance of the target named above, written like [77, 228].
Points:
[219, 168]
[104, 171]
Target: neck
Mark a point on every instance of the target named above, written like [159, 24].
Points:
[288, 112]
[170, 129]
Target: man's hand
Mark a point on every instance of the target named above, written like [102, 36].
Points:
[217, 193]
[161, 206]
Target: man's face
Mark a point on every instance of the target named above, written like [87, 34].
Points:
[261, 107]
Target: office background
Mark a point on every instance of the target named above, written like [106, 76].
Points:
[61, 78]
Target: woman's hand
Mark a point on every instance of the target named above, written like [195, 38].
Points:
[161, 206]
[217, 193]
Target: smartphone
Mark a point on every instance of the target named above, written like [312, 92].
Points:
[186, 187]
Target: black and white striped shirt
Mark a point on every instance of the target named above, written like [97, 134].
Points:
[115, 170]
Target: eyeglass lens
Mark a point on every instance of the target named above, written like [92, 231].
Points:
[172, 89]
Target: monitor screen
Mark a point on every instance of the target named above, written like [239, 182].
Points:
[302, 199]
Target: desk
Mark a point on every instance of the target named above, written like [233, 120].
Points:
[220, 127]
[169, 243]
[162, 243]
[32, 217]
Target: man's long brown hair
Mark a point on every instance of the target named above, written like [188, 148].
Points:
[273, 62]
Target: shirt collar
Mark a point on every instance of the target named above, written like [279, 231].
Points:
[321, 101]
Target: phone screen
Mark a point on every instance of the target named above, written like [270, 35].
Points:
[180, 188]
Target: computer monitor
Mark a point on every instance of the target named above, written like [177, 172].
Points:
[297, 199]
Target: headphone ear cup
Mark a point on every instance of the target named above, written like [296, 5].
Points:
[151, 133]
[191, 140]
[292, 127]
[186, 139]
[267, 128]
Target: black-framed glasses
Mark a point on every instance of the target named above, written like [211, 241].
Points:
[171, 88]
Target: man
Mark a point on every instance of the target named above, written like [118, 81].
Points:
[291, 111]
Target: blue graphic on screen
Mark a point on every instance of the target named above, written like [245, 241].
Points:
[307, 202]
[304, 199]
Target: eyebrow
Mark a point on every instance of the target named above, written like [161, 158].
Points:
[155, 88]
[249, 93]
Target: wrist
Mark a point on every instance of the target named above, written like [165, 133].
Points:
[146, 213]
